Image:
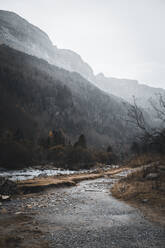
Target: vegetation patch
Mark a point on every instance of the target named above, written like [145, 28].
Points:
[144, 188]
[144, 159]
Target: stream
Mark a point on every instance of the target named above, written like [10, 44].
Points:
[30, 173]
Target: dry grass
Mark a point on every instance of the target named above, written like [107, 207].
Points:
[144, 159]
[38, 184]
[148, 194]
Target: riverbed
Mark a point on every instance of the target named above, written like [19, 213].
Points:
[30, 173]
[84, 216]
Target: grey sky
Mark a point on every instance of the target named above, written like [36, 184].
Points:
[121, 38]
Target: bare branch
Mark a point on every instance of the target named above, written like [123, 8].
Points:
[149, 134]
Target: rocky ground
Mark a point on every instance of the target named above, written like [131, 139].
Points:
[83, 216]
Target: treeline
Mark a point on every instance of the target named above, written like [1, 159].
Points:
[18, 152]
[76, 155]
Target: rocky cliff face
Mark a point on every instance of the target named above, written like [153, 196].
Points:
[71, 61]
[19, 34]
[127, 89]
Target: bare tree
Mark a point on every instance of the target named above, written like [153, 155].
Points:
[136, 116]
[149, 134]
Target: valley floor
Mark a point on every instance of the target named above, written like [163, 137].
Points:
[85, 216]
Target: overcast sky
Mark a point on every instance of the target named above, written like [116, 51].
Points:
[121, 38]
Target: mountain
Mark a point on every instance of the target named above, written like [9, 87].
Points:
[126, 89]
[19, 34]
[43, 88]
[88, 109]
[45, 97]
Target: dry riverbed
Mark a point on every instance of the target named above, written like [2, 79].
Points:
[73, 217]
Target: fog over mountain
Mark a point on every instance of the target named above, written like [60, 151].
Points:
[121, 38]
[21, 35]
[43, 96]
[63, 93]
[128, 89]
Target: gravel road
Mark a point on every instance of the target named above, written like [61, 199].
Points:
[88, 216]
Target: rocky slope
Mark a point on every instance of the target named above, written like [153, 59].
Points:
[19, 34]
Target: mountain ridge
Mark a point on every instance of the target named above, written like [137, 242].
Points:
[36, 42]
[24, 36]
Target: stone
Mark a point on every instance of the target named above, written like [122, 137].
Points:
[5, 197]
[152, 176]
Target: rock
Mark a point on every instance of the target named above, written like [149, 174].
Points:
[5, 197]
[29, 206]
[152, 176]
[145, 200]
[7, 187]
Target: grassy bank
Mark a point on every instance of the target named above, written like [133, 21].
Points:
[144, 188]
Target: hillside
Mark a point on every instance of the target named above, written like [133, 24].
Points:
[37, 97]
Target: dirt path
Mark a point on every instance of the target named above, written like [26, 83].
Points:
[83, 216]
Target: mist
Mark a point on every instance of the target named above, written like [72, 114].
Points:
[121, 38]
